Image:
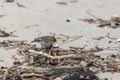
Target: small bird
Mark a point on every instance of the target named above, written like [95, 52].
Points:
[47, 42]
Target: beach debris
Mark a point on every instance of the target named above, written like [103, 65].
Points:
[114, 21]
[110, 37]
[9, 0]
[83, 75]
[13, 44]
[66, 38]
[67, 20]
[73, 1]
[53, 57]
[6, 34]
[75, 61]
[51, 71]
[99, 38]
[106, 36]
[20, 5]
[34, 25]
[2, 15]
[66, 2]
[1, 60]
[62, 3]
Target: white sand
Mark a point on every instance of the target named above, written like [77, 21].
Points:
[44, 16]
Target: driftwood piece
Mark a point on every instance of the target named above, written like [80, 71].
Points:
[53, 57]
[51, 71]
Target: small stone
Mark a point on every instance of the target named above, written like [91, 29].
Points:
[67, 20]
[110, 42]
[2, 67]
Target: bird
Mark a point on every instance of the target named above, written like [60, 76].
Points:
[47, 42]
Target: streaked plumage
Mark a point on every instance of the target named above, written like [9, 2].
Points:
[46, 41]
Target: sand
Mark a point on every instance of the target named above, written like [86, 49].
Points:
[29, 18]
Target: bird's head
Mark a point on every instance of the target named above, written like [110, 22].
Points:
[55, 37]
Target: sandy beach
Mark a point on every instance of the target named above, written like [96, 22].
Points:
[29, 19]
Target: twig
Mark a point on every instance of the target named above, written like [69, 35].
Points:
[5, 75]
[50, 50]
[53, 57]
[25, 75]
[88, 12]
[98, 38]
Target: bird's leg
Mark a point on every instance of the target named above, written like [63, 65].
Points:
[50, 50]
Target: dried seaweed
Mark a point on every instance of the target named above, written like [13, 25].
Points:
[9, 0]
[88, 59]
[113, 22]
[6, 34]
[62, 3]
[106, 36]
[20, 5]
[12, 44]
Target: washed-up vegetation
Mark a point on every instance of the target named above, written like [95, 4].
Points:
[76, 63]
[113, 22]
